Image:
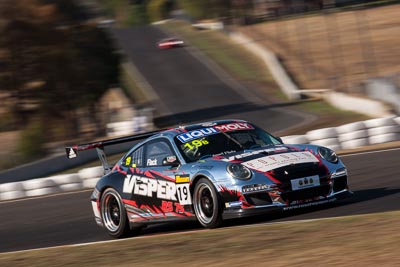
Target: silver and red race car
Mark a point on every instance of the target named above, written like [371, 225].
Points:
[171, 42]
[210, 172]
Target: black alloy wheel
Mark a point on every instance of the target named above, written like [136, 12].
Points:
[206, 204]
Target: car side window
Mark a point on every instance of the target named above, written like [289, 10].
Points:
[156, 152]
[135, 159]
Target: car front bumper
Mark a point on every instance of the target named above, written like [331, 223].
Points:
[239, 211]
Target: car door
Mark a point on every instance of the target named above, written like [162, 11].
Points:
[157, 188]
[134, 190]
[172, 193]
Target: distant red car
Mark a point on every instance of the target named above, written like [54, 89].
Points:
[171, 42]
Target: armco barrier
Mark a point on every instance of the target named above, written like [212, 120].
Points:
[348, 136]
[84, 179]
[353, 135]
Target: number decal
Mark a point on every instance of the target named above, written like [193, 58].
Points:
[183, 194]
[196, 144]
[128, 161]
[188, 145]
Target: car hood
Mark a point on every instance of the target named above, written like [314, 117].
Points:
[280, 163]
[271, 157]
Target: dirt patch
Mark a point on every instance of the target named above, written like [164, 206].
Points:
[8, 142]
[335, 50]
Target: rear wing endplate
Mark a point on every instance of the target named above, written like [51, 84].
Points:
[72, 151]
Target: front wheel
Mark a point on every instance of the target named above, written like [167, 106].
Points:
[113, 214]
[206, 204]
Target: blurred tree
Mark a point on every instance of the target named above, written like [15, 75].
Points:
[19, 41]
[197, 9]
[54, 65]
[137, 14]
[126, 12]
[240, 11]
[159, 9]
[71, 12]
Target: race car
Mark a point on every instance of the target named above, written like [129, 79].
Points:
[171, 42]
[210, 172]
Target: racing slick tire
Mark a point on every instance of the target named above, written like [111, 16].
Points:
[113, 214]
[206, 204]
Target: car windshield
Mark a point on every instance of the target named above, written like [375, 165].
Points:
[208, 142]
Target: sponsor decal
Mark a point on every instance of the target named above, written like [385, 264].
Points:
[171, 159]
[147, 186]
[254, 188]
[168, 206]
[189, 136]
[268, 163]
[161, 189]
[224, 153]
[234, 127]
[151, 162]
[183, 178]
[235, 204]
[310, 204]
[252, 153]
[195, 134]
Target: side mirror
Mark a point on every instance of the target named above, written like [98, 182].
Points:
[171, 161]
[279, 139]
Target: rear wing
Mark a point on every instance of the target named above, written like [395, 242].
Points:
[72, 151]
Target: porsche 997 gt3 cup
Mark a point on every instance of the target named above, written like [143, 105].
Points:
[210, 172]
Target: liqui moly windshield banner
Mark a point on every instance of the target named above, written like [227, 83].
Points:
[189, 136]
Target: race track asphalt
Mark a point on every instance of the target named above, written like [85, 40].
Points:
[67, 219]
[189, 90]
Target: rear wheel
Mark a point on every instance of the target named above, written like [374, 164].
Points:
[206, 204]
[113, 214]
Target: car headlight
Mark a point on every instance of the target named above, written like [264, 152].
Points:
[328, 154]
[238, 171]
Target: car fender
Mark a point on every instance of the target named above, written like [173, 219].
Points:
[222, 179]
[202, 174]
[113, 179]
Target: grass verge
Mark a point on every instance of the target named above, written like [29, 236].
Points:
[363, 240]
